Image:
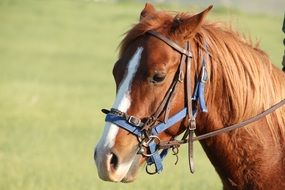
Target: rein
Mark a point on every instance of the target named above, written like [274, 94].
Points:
[147, 132]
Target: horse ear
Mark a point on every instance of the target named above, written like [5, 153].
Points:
[189, 26]
[148, 9]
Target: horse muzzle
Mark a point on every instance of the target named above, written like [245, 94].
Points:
[115, 165]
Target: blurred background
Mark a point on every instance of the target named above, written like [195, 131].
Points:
[56, 59]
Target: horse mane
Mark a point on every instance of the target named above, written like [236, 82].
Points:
[250, 82]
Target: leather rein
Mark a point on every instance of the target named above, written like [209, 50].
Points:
[147, 132]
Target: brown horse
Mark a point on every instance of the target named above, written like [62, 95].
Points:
[242, 83]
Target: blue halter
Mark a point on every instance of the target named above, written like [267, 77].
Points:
[137, 127]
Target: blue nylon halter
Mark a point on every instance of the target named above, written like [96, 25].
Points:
[156, 157]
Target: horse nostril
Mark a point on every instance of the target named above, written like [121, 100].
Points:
[95, 153]
[114, 161]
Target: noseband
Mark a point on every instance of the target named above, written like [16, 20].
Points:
[147, 132]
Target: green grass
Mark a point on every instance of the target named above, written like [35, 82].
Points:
[56, 59]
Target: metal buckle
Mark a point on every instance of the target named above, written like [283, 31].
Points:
[192, 124]
[181, 76]
[134, 121]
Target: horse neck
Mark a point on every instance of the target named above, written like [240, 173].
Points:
[237, 91]
[234, 155]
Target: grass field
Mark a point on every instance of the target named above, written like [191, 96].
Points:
[55, 75]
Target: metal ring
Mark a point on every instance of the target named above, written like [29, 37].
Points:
[150, 139]
[146, 145]
[148, 170]
[149, 155]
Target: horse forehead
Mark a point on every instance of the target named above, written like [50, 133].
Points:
[155, 56]
[156, 47]
[158, 53]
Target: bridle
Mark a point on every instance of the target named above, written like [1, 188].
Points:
[147, 132]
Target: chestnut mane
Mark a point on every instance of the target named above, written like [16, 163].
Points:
[251, 83]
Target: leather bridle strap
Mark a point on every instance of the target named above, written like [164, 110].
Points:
[170, 43]
[176, 143]
[164, 106]
[191, 118]
[241, 124]
[186, 56]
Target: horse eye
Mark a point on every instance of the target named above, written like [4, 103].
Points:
[159, 77]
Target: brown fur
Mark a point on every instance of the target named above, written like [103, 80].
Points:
[243, 83]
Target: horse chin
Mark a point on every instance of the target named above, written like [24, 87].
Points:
[129, 179]
[133, 171]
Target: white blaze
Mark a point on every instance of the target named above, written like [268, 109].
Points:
[122, 101]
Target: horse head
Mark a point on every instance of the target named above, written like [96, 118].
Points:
[145, 73]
